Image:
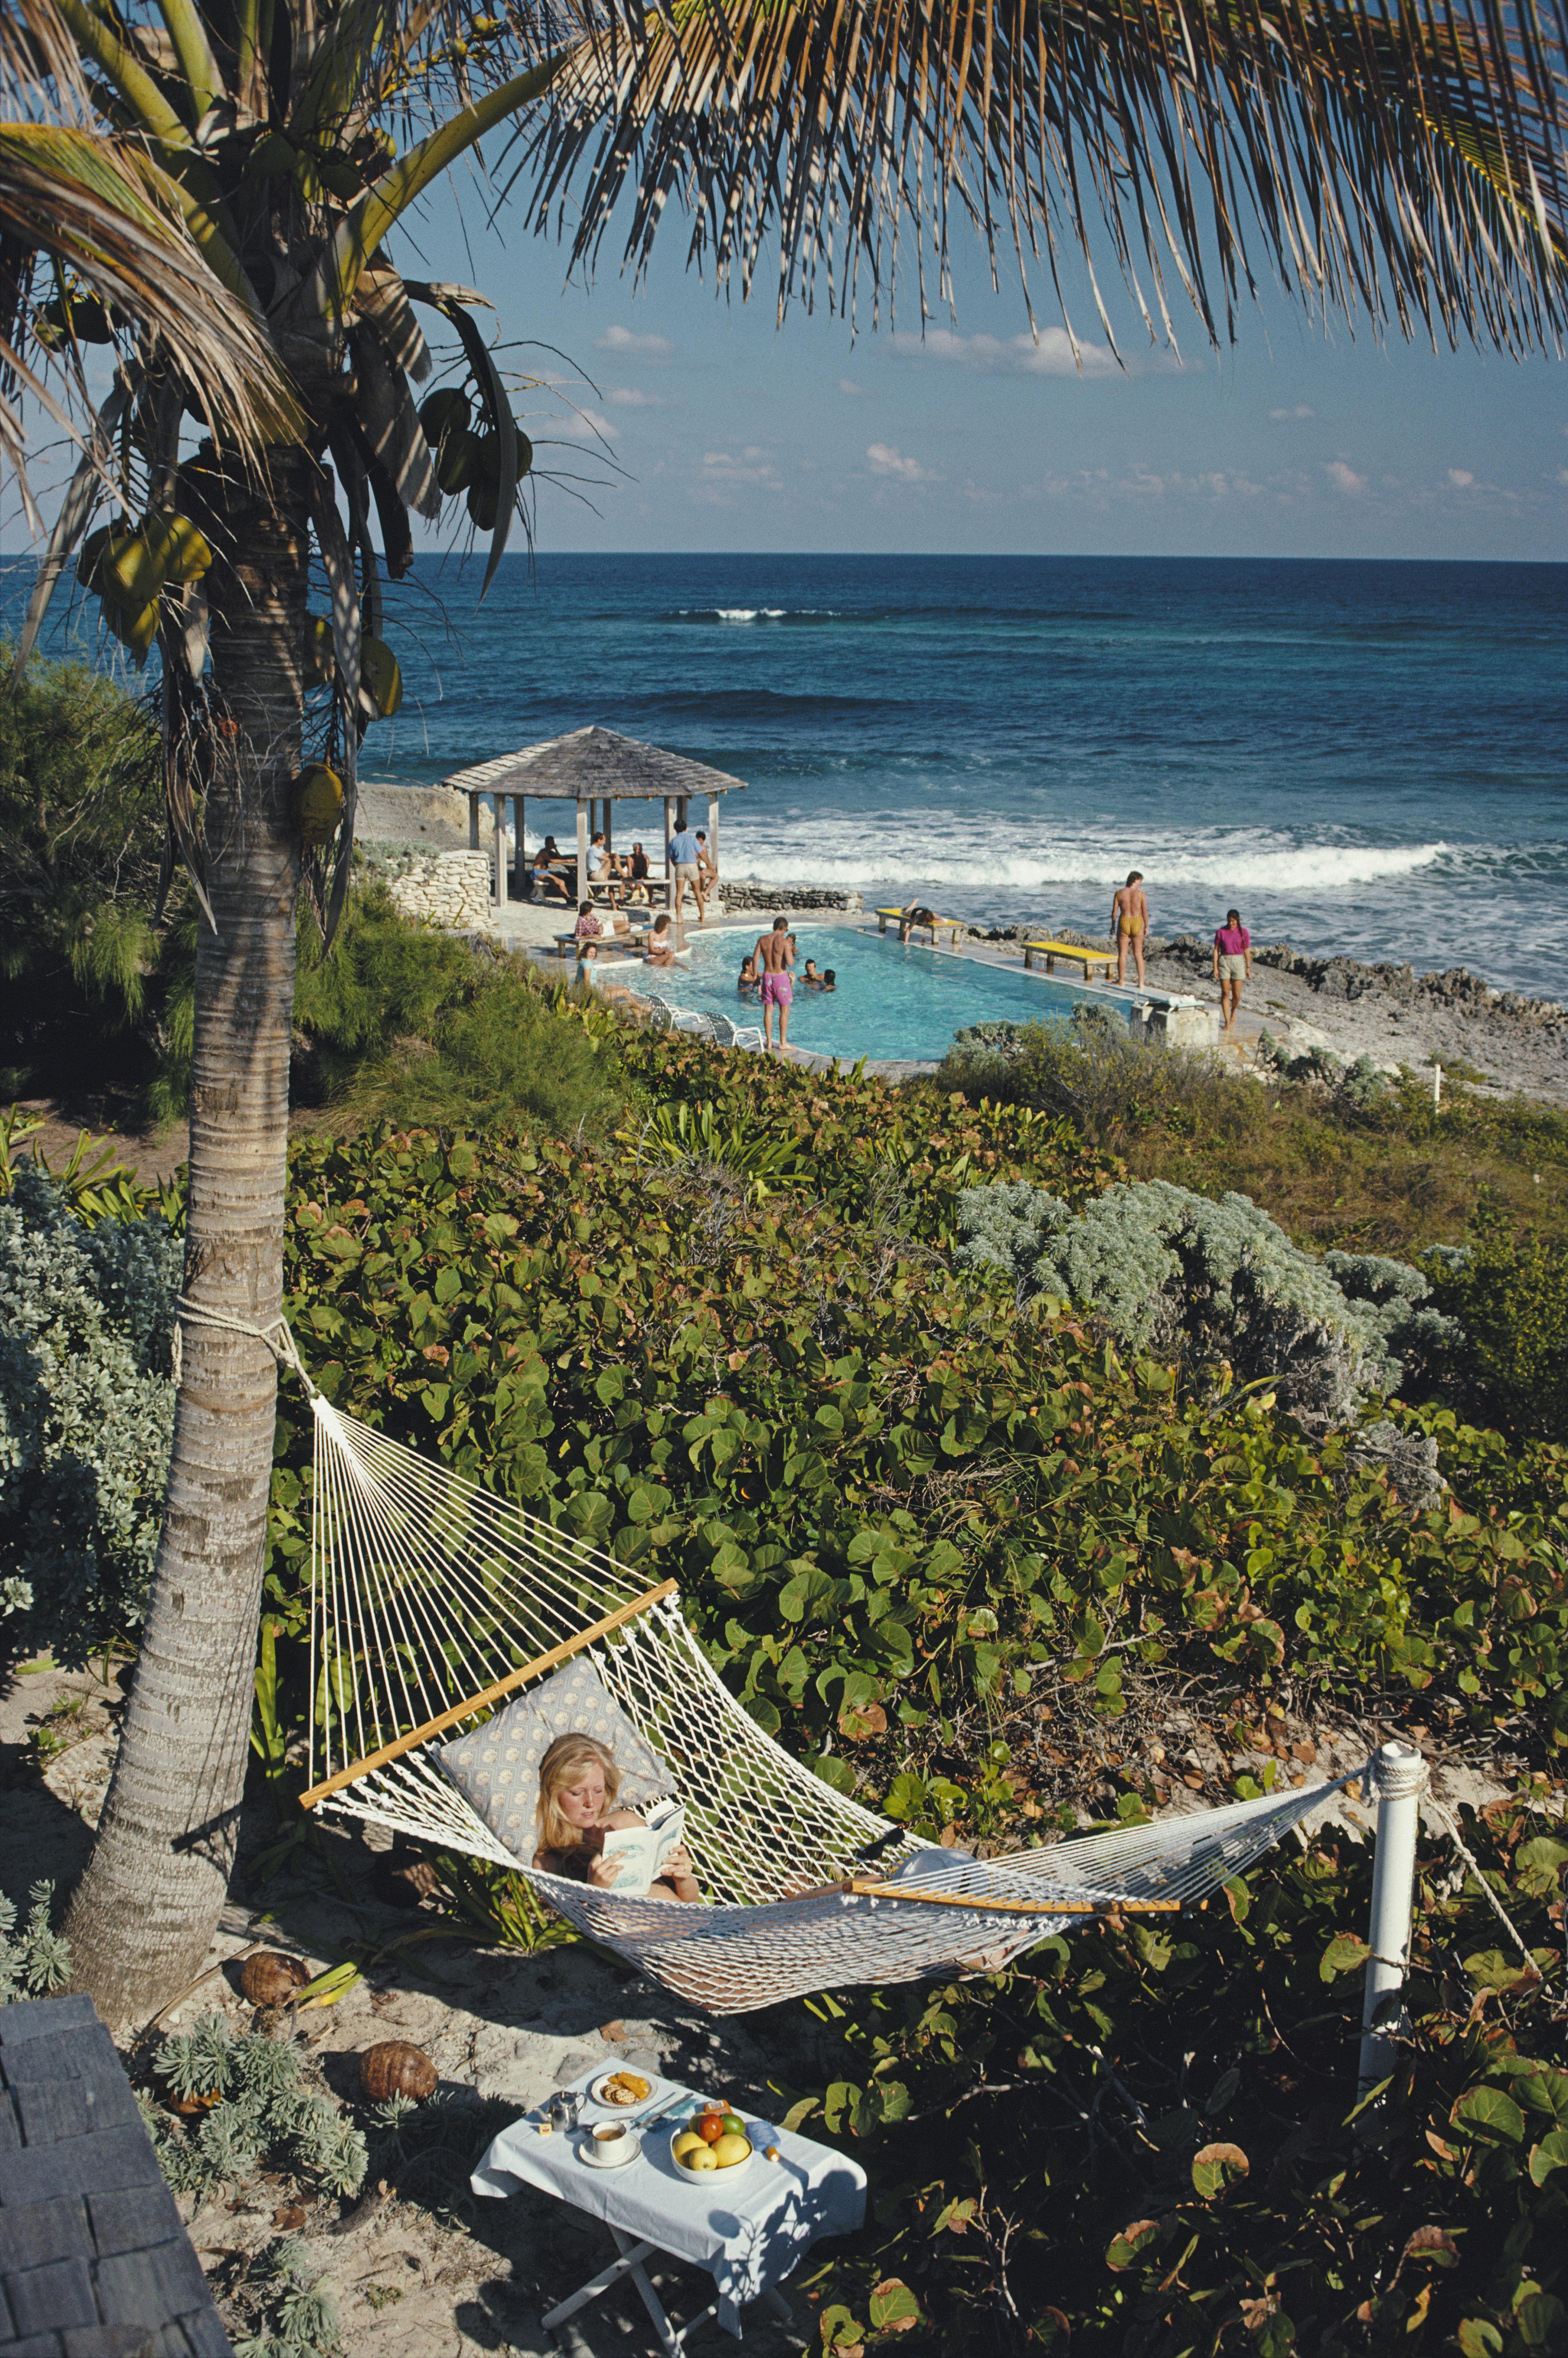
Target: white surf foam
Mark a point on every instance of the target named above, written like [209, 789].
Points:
[959, 854]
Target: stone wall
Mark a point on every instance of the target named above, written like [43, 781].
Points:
[787, 896]
[451, 889]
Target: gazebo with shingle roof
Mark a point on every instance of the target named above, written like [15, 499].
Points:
[595, 769]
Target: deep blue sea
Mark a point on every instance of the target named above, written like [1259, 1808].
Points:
[1364, 758]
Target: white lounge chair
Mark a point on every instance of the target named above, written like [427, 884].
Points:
[673, 1018]
[736, 1035]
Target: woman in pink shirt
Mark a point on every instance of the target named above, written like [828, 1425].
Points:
[1232, 963]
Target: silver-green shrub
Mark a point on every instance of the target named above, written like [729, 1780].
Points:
[86, 1414]
[1217, 1285]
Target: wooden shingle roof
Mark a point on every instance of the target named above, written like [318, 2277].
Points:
[591, 763]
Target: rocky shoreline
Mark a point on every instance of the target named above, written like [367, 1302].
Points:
[1496, 1040]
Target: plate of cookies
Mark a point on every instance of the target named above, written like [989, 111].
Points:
[626, 2092]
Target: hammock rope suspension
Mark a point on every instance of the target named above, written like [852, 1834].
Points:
[435, 1602]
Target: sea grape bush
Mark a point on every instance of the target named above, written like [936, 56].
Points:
[888, 1496]
[1217, 1285]
[86, 1415]
[1143, 2139]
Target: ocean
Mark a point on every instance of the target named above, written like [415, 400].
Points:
[1366, 759]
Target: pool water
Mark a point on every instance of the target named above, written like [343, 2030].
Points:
[891, 1001]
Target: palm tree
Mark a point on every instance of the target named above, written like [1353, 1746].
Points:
[1404, 166]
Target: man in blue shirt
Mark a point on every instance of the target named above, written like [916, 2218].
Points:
[686, 866]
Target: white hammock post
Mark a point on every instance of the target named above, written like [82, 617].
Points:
[1399, 1774]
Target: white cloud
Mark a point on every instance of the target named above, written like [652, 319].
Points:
[626, 396]
[845, 385]
[1461, 478]
[642, 348]
[1301, 410]
[1051, 355]
[1345, 479]
[596, 424]
[724, 471]
[884, 460]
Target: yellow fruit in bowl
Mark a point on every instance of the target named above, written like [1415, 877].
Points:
[730, 2150]
[701, 2159]
[688, 2142]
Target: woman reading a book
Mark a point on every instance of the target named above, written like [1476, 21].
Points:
[579, 1781]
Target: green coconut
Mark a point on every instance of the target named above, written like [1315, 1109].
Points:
[445, 413]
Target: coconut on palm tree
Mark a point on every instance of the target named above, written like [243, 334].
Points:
[1406, 167]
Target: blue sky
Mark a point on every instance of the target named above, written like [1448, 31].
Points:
[700, 424]
[734, 433]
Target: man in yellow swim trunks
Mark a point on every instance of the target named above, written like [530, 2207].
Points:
[1130, 922]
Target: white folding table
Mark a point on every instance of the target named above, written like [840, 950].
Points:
[749, 2228]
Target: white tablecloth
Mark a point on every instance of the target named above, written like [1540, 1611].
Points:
[749, 2228]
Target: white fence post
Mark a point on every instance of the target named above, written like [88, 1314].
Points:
[1399, 1773]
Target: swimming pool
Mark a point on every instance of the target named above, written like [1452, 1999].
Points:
[891, 1001]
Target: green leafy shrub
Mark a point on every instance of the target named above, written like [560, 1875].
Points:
[266, 2111]
[1143, 2139]
[889, 1498]
[280, 2299]
[1510, 1296]
[86, 1416]
[1218, 1286]
[81, 834]
[34, 1958]
[1091, 1073]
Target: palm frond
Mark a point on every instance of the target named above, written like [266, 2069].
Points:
[1402, 161]
[105, 212]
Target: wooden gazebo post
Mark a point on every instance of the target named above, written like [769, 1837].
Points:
[582, 811]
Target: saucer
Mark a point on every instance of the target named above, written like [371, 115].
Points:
[625, 2148]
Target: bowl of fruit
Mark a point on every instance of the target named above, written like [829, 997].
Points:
[714, 2140]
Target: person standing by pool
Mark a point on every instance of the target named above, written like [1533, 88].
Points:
[1232, 963]
[1130, 922]
[774, 954]
[685, 865]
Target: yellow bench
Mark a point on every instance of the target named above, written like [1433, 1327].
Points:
[1051, 951]
[907, 924]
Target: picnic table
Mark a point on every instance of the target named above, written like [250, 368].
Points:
[748, 2228]
[1072, 951]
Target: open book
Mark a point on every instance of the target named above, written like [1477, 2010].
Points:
[645, 1849]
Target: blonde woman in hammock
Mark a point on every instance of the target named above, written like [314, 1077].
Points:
[578, 1779]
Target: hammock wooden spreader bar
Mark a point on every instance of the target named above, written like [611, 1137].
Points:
[1104, 1907]
[491, 1693]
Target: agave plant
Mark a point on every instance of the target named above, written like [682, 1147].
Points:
[1404, 166]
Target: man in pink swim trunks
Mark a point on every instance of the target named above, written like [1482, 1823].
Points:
[775, 954]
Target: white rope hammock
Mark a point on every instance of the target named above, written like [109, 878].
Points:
[434, 1601]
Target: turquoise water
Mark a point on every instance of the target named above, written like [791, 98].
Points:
[890, 1002]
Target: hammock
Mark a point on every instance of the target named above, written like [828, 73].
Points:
[433, 1602]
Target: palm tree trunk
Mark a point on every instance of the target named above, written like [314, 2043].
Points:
[145, 1911]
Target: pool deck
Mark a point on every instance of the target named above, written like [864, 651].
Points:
[531, 931]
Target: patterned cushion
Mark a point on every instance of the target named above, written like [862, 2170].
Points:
[497, 1768]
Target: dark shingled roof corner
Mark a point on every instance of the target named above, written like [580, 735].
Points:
[94, 2261]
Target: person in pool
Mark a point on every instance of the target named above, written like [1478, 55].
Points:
[811, 979]
[579, 1781]
[829, 979]
[661, 949]
[1130, 922]
[749, 980]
